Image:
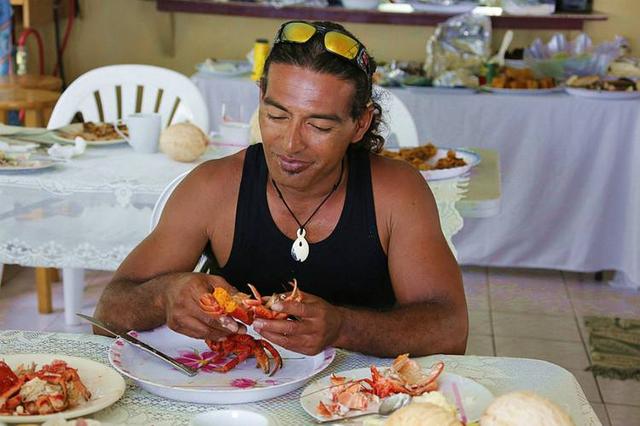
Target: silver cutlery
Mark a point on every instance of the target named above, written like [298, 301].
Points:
[142, 345]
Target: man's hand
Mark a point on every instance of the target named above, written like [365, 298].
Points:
[316, 325]
[183, 312]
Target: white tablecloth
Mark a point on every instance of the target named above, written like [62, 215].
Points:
[91, 212]
[138, 407]
[570, 193]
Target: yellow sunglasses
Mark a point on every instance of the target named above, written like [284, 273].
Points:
[335, 41]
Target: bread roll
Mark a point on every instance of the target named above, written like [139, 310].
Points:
[524, 409]
[422, 414]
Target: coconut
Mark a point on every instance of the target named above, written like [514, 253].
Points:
[183, 142]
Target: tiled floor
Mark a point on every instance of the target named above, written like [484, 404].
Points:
[522, 313]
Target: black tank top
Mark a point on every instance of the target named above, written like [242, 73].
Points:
[349, 267]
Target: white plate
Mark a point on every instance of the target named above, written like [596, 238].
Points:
[471, 158]
[529, 92]
[233, 417]
[77, 127]
[444, 90]
[106, 386]
[29, 166]
[602, 94]
[226, 68]
[474, 397]
[455, 9]
[245, 383]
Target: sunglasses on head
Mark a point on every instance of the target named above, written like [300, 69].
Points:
[335, 41]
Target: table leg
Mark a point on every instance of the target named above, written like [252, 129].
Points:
[43, 289]
[73, 288]
[4, 116]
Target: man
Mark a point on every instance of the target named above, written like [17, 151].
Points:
[359, 232]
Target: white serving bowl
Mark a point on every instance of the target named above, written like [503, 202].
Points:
[360, 4]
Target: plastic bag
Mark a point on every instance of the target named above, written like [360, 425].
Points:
[460, 43]
[561, 59]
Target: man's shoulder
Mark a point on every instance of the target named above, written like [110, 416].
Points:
[216, 178]
[389, 172]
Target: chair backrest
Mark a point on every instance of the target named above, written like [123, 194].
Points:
[162, 200]
[113, 92]
[400, 125]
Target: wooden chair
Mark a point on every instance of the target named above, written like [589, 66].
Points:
[37, 104]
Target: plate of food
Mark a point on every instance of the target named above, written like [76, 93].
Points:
[520, 92]
[361, 391]
[521, 81]
[436, 163]
[224, 68]
[38, 393]
[244, 383]
[596, 87]
[8, 164]
[96, 134]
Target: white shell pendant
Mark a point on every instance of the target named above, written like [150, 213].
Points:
[300, 247]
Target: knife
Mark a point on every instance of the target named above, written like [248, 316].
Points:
[140, 344]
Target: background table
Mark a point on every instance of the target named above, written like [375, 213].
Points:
[499, 375]
[569, 173]
[91, 212]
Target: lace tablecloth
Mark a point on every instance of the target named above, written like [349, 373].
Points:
[92, 211]
[138, 407]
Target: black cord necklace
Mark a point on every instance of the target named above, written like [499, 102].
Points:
[300, 247]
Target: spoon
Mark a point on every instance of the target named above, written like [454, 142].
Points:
[499, 57]
[388, 406]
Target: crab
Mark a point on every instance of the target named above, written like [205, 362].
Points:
[404, 376]
[53, 388]
[246, 309]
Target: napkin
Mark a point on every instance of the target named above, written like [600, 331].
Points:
[68, 151]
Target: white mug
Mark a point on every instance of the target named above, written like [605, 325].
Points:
[235, 132]
[144, 132]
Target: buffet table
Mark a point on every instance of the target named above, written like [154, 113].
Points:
[569, 172]
[138, 407]
[90, 212]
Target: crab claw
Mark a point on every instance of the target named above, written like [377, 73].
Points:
[274, 353]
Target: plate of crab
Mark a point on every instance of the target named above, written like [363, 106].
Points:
[359, 392]
[35, 388]
[227, 372]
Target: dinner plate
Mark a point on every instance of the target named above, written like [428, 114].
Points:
[245, 383]
[225, 68]
[422, 6]
[602, 94]
[471, 158]
[106, 386]
[29, 166]
[527, 92]
[469, 396]
[62, 135]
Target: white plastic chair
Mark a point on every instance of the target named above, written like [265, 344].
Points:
[109, 93]
[113, 92]
[162, 201]
[400, 124]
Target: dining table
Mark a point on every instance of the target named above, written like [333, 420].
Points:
[89, 212]
[568, 165]
[499, 375]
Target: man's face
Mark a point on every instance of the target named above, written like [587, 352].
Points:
[306, 124]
